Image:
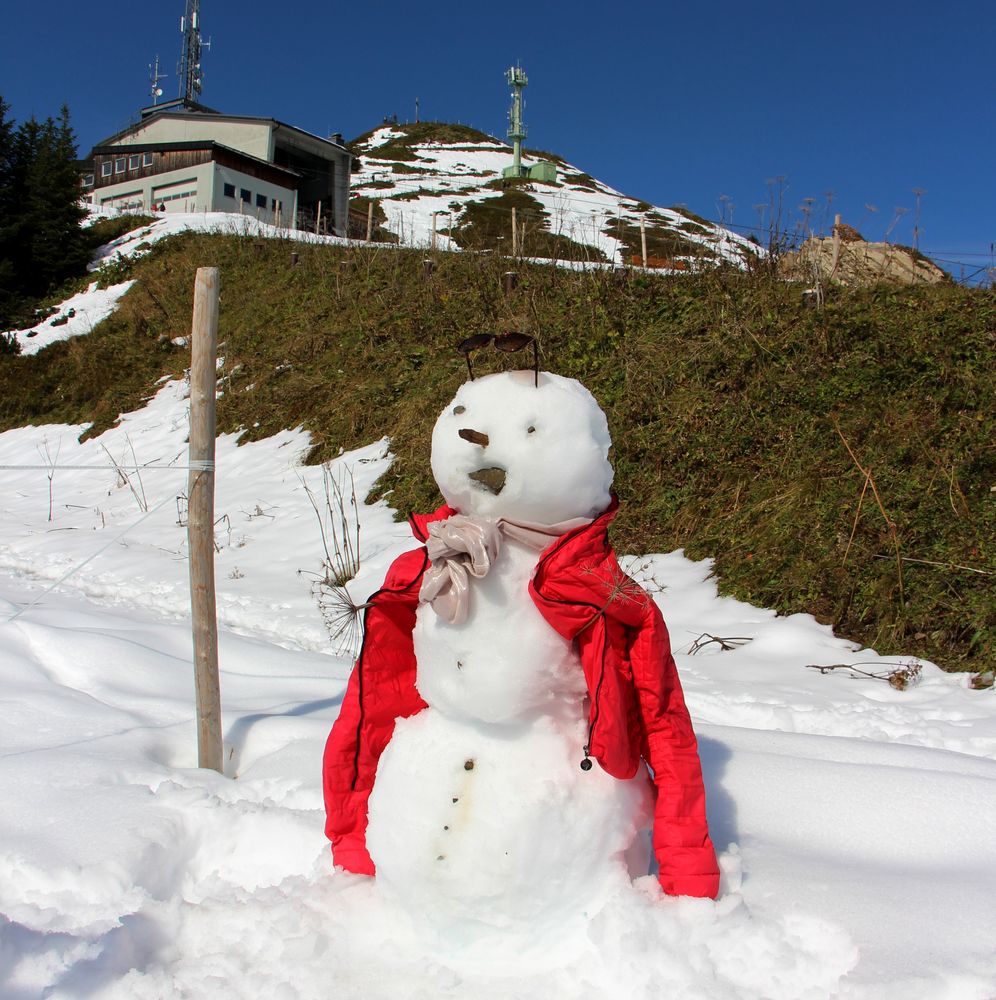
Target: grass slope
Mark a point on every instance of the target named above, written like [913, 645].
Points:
[837, 462]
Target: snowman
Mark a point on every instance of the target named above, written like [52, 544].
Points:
[514, 723]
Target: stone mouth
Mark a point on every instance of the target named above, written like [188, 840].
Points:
[491, 478]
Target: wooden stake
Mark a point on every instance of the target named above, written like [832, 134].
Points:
[434, 232]
[515, 235]
[370, 221]
[643, 240]
[318, 218]
[200, 518]
[836, 247]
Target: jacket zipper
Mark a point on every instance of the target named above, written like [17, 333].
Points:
[359, 662]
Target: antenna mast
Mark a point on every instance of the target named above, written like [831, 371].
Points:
[154, 77]
[517, 131]
[191, 74]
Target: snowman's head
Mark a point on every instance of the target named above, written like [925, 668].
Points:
[506, 447]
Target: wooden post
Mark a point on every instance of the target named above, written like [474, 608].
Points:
[836, 247]
[449, 231]
[643, 240]
[318, 218]
[370, 221]
[433, 232]
[427, 268]
[515, 235]
[509, 281]
[200, 518]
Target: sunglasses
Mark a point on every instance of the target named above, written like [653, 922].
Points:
[508, 343]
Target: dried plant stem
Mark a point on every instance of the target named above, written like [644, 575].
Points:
[725, 642]
[870, 481]
[943, 565]
[143, 503]
[340, 531]
[854, 527]
[898, 675]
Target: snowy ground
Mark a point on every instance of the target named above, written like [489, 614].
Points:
[444, 178]
[854, 820]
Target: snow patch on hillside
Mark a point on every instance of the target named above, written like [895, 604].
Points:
[444, 178]
[76, 317]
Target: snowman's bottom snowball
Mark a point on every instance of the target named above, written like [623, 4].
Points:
[481, 830]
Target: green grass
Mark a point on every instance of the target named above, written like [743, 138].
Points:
[487, 224]
[663, 242]
[729, 401]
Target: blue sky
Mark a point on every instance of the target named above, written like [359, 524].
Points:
[673, 103]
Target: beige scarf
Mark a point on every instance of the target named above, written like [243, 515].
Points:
[465, 547]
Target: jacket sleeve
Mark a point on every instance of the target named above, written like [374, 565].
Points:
[681, 841]
[381, 689]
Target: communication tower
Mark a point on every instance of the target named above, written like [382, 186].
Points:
[517, 131]
[191, 73]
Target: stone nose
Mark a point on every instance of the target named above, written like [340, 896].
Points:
[474, 437]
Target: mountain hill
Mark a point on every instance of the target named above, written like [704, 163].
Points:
[417, 173]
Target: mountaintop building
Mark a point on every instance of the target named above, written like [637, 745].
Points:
[184, 157]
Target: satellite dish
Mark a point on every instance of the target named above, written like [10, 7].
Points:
[158, 92]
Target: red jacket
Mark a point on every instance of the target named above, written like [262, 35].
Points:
[637, 708]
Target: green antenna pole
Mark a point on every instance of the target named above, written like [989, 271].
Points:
[516, 77]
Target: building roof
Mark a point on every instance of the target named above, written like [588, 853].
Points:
[191, 109]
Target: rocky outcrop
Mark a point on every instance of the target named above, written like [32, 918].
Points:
[847, 259]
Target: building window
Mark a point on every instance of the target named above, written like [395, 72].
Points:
[160, 198]
[246, 195]
[273, 205]
[105, 168]
[119, 164]
[261, 201]
[229, 190]
[146, 159]
[88, 180]
[134, 162]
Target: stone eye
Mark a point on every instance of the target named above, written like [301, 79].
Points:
[457, 410]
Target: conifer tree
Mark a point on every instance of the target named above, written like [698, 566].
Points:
[41, 242]
[9, 296]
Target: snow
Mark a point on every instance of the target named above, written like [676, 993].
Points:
[76, 317]
[444, 178]
[544, 431]
[854, 820]
[139, 241]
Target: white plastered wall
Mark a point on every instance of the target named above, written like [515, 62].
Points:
[248, 137]
[240, 181]
[202, 189]
[137, 193]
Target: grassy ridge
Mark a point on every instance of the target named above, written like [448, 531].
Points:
[745, 424]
